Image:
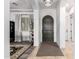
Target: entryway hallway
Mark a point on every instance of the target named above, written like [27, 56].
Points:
[67, 52]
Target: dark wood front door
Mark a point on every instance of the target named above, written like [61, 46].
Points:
[48, 29]
[12, 31]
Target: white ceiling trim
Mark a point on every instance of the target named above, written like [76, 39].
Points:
[27, 13]
[21, 10]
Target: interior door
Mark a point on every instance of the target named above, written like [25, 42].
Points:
[12, 31]
[48, 33]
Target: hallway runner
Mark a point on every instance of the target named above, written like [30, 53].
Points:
[49, 49]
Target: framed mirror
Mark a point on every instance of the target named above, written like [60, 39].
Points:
[24, 23]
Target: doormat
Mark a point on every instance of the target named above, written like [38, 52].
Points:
[49, 49]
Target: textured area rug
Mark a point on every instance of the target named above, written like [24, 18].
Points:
[49, 49]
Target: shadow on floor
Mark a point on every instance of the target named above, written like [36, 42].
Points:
[49, 49]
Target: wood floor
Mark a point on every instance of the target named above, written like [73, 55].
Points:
[68, 53]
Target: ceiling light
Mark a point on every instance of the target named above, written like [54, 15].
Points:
[47, 3]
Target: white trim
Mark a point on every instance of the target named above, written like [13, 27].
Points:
[21, 10]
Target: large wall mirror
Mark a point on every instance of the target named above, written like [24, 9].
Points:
[24, 23]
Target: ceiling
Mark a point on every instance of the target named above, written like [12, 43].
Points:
[35, 4]
[21, 4]
[30, 4]
[69, 2]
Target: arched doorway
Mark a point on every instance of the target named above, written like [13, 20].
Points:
[48, 29]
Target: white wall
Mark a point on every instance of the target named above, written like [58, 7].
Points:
[58, 23]
[36, 28]
[51, 12]
[62, 27]
[12, 17]
[6, 30]
[71, 27]
[17, 26]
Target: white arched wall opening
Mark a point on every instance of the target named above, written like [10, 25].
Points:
[43, 13]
